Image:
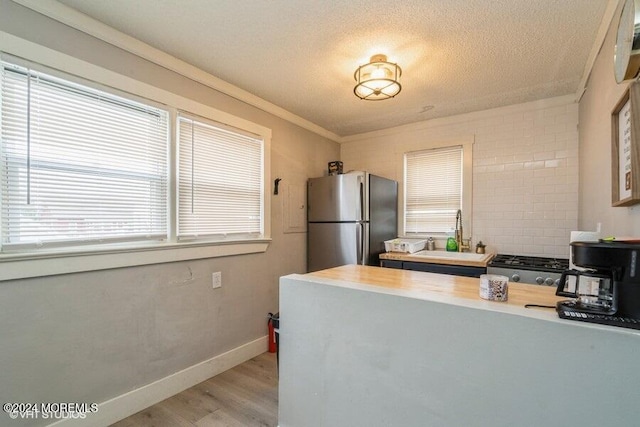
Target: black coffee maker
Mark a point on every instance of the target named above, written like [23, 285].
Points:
[607, 288]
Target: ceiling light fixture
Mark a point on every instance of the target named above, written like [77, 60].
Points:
[378, 79]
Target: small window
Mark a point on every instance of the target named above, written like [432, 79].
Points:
[220, 181]
[78, 165]
[433, 190]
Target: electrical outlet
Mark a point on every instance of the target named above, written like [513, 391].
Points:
[216, 279]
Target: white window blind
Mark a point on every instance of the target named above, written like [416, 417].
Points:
[78, 165]
[433, 189]
[220, 181]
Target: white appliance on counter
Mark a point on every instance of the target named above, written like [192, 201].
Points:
[349, 218]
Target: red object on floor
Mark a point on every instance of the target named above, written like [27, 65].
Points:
[272, 335]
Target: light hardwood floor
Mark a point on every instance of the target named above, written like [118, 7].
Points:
[245, 396]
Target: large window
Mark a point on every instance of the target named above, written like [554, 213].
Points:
[86, 168]
[78, 165]
[433, 190]
[219, 181]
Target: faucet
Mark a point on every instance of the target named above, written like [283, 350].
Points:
[460, 240]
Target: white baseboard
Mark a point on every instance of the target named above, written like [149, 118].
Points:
[127, 404]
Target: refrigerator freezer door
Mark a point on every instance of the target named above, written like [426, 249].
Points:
[335, 244]
[383, 220]
[338, 198]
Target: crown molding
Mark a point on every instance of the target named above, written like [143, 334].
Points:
[97, 29]
[609, 14]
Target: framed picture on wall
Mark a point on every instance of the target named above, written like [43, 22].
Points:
[625, 151]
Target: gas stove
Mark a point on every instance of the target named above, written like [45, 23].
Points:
[529, 269]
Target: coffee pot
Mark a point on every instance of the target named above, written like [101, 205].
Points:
[593, 292]
[607, 288]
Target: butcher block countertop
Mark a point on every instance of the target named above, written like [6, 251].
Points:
[443, 287]
[469, 259]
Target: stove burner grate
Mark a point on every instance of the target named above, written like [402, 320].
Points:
[530, 262]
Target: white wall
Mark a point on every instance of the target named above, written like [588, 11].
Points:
[90, 337]
[601, 96]
[525, 170]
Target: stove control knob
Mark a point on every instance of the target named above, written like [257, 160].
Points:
[539, 280]
[515, 277]
[557, 282]
[548, 281]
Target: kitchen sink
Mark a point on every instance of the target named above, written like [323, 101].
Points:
[467, 256]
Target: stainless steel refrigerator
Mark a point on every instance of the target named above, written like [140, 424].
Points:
[349, 218]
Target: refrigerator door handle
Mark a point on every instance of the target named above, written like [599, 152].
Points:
[361, 201]
[360, 243]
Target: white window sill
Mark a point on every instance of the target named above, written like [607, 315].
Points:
[63, 261]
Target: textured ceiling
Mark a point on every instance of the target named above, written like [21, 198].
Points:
[456, 55]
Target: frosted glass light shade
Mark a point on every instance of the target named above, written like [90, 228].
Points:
[377, 80]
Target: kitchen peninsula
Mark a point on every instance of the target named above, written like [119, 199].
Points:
[371, 346]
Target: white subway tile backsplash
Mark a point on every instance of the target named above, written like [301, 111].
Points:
[547, 207]
[514, 118]
[541, 241]
[565, 188]
[494, 121]
[554, 111]
[537, 198]
[534, 165]
[554, 163]
[563, 250]
[545, 139]
[513, 166]
[485, 161]
[567, 224]
[571, 215]
[554, 232]
[542, 122]
[545, 189]
[517, 231]
[560, 145]
[573, 161]
[555, 214]
[544, 172]
[538, 181]
[544, 155]
[554, 197]
[506, 159]
[555, 129]
[495, 168]
[523, 157]
[534, 231]
[572, 197]
[544, 207]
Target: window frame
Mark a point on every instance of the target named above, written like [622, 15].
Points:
[467, 188]
[18, 265]
[428, 157]
[65, 164]
[220, 129]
